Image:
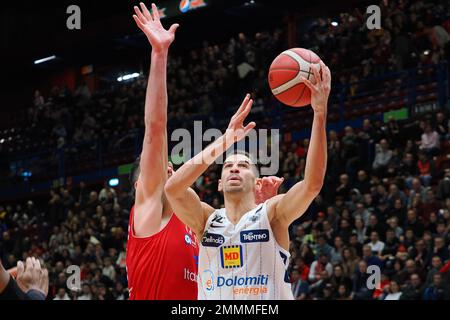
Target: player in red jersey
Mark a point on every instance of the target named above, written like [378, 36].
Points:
[161, 251]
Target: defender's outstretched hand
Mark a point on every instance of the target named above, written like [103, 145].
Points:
[269, 188]
[150, 23]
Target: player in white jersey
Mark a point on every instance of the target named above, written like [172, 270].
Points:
[244, 248]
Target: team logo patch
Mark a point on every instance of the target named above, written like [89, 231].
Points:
[212, 240]
[259, 235]
[231, 256]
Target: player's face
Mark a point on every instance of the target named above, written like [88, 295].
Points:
[237, 175]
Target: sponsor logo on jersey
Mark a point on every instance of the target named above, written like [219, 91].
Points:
[249, 285]
[256, 215]
[208, 280]
[212, 240]
[258, 235]
[231, 256]
[190, 275]
[189, 238]
[216, 222]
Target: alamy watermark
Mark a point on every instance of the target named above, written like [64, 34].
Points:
[374, 18]
[262, 144]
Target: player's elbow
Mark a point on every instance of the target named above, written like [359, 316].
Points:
[171, 189]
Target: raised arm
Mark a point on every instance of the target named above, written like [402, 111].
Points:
[187, 205]
[290, 206]
[154, 158]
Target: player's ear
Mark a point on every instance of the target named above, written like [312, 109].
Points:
[219, 186]
[258, 184]
[135, 185]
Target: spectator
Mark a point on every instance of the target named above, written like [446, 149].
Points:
[375, 244]
[318, 266]
[437, 290]
[62, 295]
[349, 261]
[430, 142]
[382, 157]
[300, 287]
[413, 291]
[392, 291]
[360, 278]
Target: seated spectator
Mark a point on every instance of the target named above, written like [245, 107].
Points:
[370, 258]
[349, 261]
[440, 249]
[322, 247]
[443, 189]
[436, 265]
[300, 287]
[426, 169]
[392, 292]
[318, 266]
[430, 141]
[375, 244]
[382, 157]
[338, 278]
[413, 290]
[437, 290]
[360, 277]
[62, 295]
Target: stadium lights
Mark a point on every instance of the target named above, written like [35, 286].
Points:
[426, 52]
[334, 24]
[44, 59]
[26, 174]
[114, 182]
[128, 76]
[3, 140]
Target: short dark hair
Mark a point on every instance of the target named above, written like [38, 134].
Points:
[253, 161]
[134, 172]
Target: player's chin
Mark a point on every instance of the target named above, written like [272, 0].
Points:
[234, 189]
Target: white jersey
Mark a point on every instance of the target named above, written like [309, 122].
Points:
[242, 261]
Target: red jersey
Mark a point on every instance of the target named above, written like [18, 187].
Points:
[164, 265]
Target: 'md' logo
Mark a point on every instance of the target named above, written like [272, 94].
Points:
[231, 256]
[186, 5]
[259, 235]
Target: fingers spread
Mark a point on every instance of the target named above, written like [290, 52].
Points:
[139, 14]
[316, 73]
[146, 12]
[249, 127]
[155, 12]
[308, 84]
[173, 28]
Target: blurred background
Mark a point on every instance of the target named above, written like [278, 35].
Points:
[71, 124]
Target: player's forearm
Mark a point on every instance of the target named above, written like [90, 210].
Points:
[316, 159]
[189, 172]
[156, 95]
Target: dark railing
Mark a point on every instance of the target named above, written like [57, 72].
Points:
[349, 103]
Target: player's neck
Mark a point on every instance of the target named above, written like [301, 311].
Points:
[236, 205]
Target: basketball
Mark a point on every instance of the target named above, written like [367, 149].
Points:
[285, 75]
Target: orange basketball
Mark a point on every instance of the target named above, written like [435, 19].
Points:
[285, 72]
